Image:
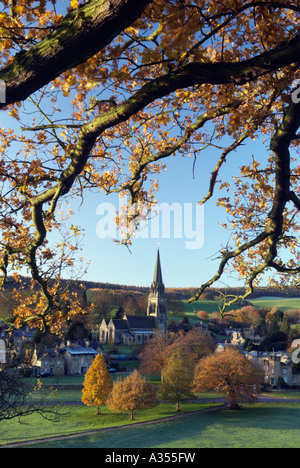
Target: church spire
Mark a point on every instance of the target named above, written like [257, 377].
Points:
[157, 303]
[158, 284]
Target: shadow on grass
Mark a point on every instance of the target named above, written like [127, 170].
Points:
[272, 426]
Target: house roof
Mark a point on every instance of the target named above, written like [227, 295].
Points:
[48, 353]
[142, 332]
[105, 321]
[128, 334]
[79, 350]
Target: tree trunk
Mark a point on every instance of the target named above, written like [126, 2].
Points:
[83, 32]
[234, 406]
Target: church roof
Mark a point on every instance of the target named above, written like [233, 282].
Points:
[120, 324]
[141, 323]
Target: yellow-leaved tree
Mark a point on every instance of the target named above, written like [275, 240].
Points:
[132, 394]
[177, 376]
[97, 384]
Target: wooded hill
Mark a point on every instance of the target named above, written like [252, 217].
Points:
[175, 293]
[115, 300]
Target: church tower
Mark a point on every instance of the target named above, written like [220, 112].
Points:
[157, 303]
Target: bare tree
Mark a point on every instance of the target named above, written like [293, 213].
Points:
[18, 400]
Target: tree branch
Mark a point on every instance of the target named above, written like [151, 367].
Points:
[83, 32]
[200, 122]
[280, 144]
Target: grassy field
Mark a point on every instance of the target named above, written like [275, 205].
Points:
[212, 306]
[281, 303]
[259, 426]
[262, 425]
[192, 309]
[78, 419]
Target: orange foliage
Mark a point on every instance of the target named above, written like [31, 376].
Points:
[229, 373]
[186, 75]
[132, 394]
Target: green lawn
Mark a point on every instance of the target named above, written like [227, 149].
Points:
[70, 380]
[286, 394]
[74, 383]
[259, 426]
[81, 418]
[192, 309]
[281, 303]
[212, 306]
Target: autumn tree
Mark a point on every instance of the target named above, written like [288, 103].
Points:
[203, 315]
[152, 356]
[231, 374]
[177, 377]
[191, 347]
[97, 384]
[247, 314]
[157, 351]
[132, 394]
[100, 94]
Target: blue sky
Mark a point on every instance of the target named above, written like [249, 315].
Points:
[182, 267]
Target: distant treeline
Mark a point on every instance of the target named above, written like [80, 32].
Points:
[175, 293]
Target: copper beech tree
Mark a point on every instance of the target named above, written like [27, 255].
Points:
[99, 95]
[231, 374]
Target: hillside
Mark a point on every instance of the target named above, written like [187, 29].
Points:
[175, 293]
[111, 298]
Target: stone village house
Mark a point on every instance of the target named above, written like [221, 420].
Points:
[78, 359]
[70, 359]
[130, 330]
[48, 361]
[275, 366]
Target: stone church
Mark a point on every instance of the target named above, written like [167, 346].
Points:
[135, 329]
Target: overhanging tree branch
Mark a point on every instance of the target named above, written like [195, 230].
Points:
[200, 122]
[190, 75]
[142, 82]
[273, 230]
[61, 51]
[83, 32]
